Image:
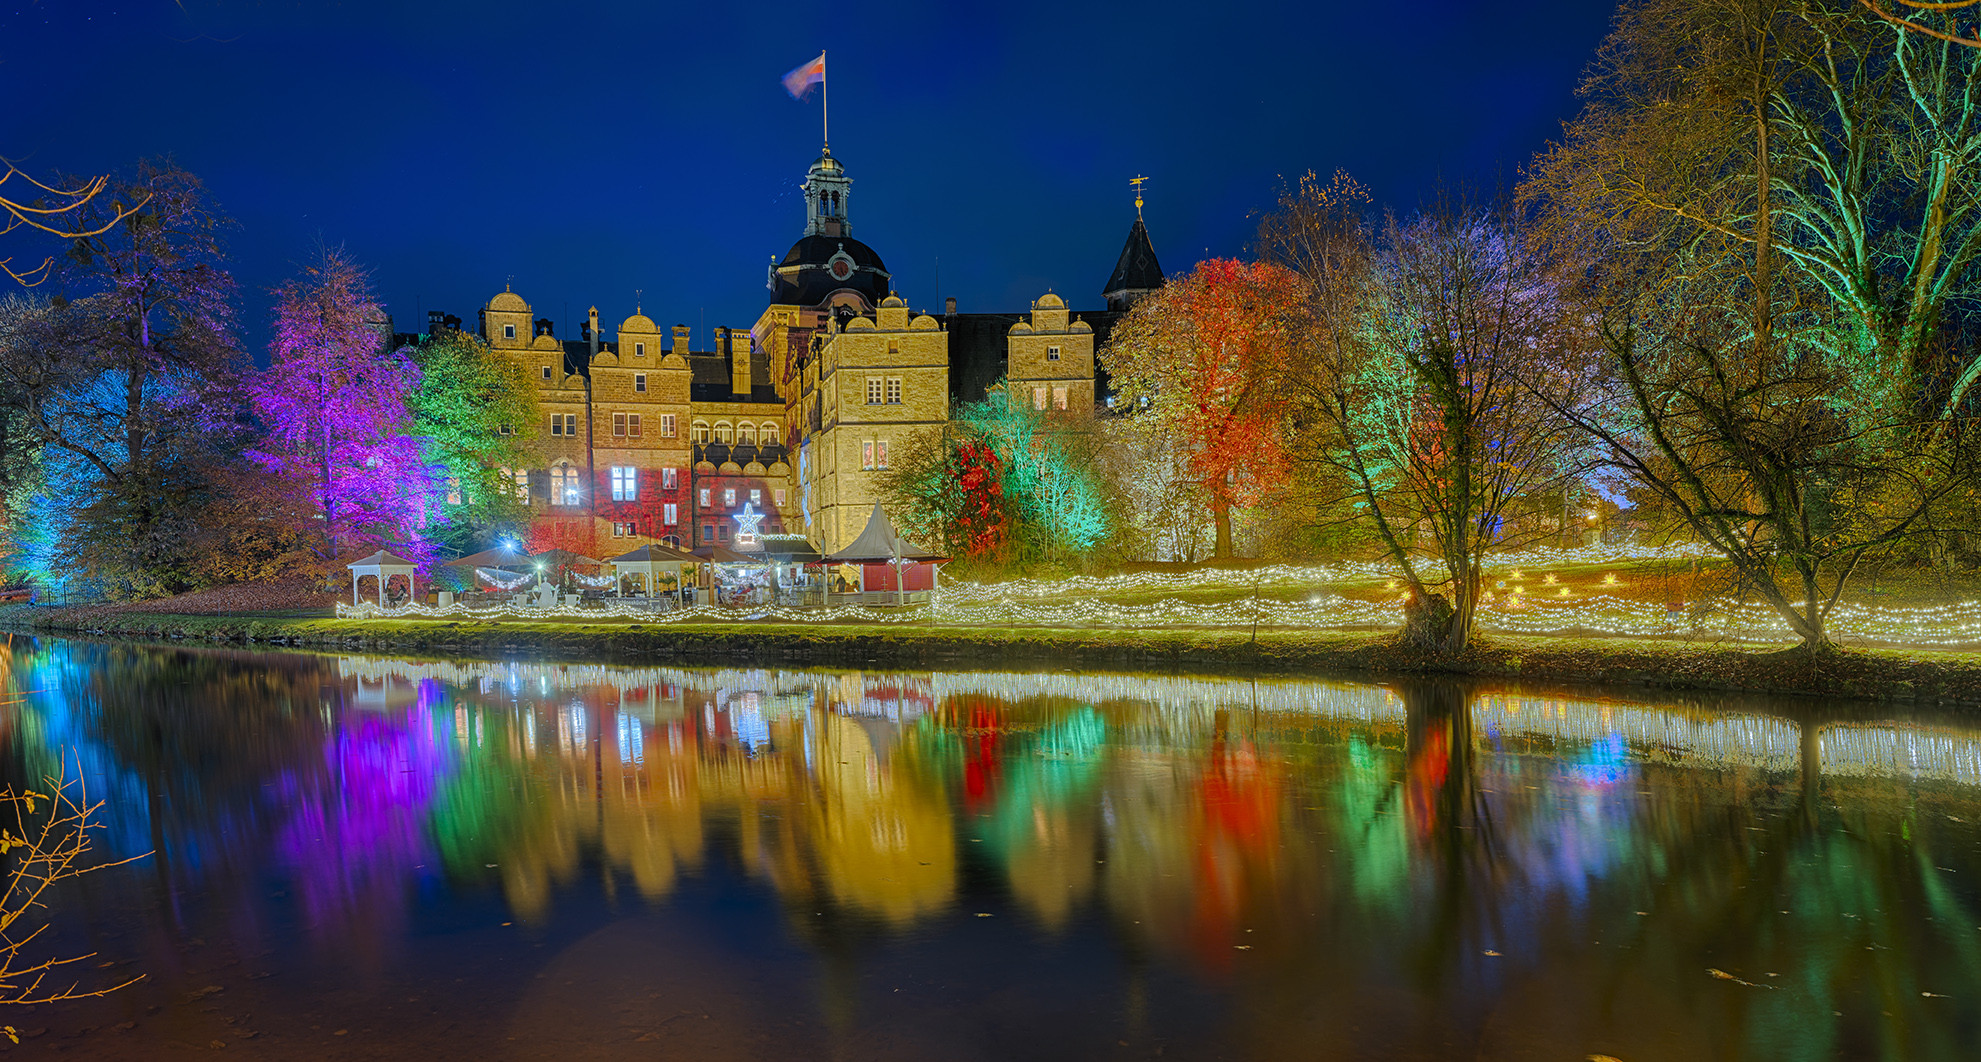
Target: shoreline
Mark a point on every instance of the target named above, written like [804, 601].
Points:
[1943, 679]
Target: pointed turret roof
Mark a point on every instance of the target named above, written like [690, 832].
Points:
[880, 542]
[1137, 273]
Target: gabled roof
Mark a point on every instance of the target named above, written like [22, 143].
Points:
[381, 559]
[1137, 269]
[880, 542]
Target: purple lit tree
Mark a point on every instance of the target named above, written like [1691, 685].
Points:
[334, 400]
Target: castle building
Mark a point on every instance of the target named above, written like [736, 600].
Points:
[786, 428]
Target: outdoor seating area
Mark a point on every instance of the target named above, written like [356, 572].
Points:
[880, 569]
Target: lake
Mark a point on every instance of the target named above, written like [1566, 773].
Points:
[361, 857]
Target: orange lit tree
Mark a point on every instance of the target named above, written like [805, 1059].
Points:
[1194, 363]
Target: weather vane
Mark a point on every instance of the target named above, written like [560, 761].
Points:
[1137, 183]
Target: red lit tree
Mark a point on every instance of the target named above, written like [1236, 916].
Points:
[1195, 363]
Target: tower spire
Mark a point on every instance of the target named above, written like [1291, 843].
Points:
[1136, 182]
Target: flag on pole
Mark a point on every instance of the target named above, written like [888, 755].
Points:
[800, 81]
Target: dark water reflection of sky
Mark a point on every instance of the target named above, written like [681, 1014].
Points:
[360, 857]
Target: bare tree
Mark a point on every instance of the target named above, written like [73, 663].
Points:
[47, 843]
[1950, 35]
[1410, 386]
[48, 213]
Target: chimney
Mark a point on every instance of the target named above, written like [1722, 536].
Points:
[949, 306]
[591, 330]
[737, 343]
[681, 340]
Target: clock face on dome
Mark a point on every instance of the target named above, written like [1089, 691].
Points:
[842, 269]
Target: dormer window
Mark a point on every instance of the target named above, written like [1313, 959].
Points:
[546, 372]
[508, 331]
[639, 350]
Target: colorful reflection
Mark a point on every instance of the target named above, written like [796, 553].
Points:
[1327, 851]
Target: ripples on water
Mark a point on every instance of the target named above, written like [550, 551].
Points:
[363, 857]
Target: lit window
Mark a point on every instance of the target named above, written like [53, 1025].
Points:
[756, 496]
[768, 434]
[619, 425]
[523, 485]
[777, 496]
[1038, 398]
[639, 381]
[894, 390]
[1059, 398]
[620, 530]
[867, 454]
[633, 425]
[729, 498]
[667, 425]
[724, 434]
[563, 485]
[667, 480]
[508, 331]
[699, 432]
[640, 350]
[873, 390]
[669, 514]
[746, 434]
[625, 483]
[880, 454]
[704, 497]
[1052, 353]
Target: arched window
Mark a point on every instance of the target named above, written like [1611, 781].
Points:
[564, 485]
[724, 434]
[768, 435]
[700, 432]
[746, 434]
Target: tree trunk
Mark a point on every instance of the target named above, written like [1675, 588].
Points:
[1221, 516]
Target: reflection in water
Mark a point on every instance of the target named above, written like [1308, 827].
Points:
[1337, 868]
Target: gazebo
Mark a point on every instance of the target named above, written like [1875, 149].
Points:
[651, 562]
[881, 552]
[381, 566]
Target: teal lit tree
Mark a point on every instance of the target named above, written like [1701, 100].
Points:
[473, 412]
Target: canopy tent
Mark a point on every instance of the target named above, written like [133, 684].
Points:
[880, 544]
[381, 566]
[564, 558]
[500, 557]
[651, 562]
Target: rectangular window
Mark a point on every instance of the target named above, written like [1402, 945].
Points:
[570, 424]
[508, 331]
[633, 425]
[722, 532]
[639, 381]
[669, 513]
[777, 496]
[880, 454]
[619, 425]
[1052, 353]
[546, 373]
[708, 532]
[1038, 398]
[873, 390]
[556, 424]
[618, 530]
[523, 485]
[756, 497]
[894, 390]
[625, 483]
[1059, 398]
[729, 498]
[667, 425]
[667, 480]
[704, 497]
[867, 454]
[640, 350]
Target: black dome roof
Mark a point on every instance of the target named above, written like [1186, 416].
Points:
[807, 276]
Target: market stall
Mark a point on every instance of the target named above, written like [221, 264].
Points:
[881, 567]
[654, 571]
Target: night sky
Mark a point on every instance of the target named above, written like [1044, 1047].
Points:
[591, 149]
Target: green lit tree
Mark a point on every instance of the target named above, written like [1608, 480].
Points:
[474, 412]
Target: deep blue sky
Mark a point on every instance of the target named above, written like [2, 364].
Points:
[591, 149]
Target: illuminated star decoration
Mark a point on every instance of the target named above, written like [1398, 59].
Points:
[746, 524]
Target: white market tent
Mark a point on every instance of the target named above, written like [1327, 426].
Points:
[650, 562]
[381, 566]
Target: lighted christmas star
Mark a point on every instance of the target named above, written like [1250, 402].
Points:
[747, 521]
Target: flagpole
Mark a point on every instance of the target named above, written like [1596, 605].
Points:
[825, 103]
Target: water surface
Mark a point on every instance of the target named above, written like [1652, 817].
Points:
[358, 857]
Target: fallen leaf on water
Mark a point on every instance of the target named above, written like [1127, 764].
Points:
[1603, 1058]
[1725, 976]
[1494, 954]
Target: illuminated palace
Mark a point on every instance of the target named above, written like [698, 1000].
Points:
[781, 430]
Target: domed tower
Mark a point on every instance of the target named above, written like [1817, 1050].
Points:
[827, 266]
